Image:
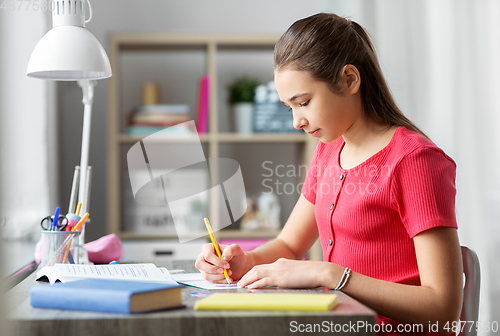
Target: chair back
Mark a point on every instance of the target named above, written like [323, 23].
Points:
[470, 305]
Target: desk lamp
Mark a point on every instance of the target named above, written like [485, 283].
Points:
[69, 52]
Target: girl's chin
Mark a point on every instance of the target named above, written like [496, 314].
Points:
[325, 138]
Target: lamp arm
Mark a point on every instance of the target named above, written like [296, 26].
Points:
[87, 90]
[88, 98]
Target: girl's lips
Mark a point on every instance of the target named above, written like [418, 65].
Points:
[314, 133]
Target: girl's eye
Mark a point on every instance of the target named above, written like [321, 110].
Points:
[301, 105]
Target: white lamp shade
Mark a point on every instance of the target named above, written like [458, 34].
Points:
[69, 53]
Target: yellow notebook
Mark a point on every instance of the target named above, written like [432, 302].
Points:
[271, 301]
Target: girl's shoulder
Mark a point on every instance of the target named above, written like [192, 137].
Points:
[406, 145]
[410, 144]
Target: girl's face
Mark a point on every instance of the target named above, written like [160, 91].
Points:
[317, 109]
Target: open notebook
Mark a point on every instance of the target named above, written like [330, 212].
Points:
[131, 272]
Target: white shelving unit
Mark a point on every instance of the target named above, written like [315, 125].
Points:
[207, 49]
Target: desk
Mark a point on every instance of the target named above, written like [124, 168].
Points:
[27, 320]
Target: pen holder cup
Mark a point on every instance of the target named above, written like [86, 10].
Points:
[60, 247]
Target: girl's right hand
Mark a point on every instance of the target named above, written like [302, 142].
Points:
[234, 260]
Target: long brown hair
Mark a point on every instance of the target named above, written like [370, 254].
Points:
[322, 44]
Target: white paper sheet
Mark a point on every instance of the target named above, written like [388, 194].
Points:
[197, 280]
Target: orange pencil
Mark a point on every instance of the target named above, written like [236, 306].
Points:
[76, 228]
[216, 246]
[65, 258]
[81, 222]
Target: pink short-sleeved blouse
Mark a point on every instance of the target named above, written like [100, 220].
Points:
[368, 215]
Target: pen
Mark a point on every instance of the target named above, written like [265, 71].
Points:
[216, 246]
[78, 207]
[56, 219]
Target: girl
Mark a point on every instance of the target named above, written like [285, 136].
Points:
[379, 193]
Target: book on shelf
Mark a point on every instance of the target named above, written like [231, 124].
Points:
[151, 123]
[152, 118]
[104, 295]
[268, 301]
[127, 272]
[185, 128]
[160, 119]
[163, 109]
[203, 104]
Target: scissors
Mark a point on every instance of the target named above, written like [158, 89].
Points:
[62, 222]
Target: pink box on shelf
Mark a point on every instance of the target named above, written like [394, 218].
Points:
[245, 244]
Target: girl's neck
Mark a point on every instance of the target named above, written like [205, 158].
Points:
[363, 133]
[362, 140]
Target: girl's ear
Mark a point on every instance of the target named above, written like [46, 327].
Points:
[351, 79]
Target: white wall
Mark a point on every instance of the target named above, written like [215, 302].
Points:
[23, 114]
[27, 164]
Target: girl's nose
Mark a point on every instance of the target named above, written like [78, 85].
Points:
[299, 122]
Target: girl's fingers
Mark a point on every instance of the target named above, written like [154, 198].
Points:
[203, 266]
[229, 252]
[208, 253]
[211, 266]
[255, 274]
[261, 283]
[216, 278]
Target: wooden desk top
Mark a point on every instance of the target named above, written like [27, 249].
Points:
[26, 320]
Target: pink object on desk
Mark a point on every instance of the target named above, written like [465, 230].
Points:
[105, 249]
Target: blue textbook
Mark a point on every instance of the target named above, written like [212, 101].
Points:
[111, 296]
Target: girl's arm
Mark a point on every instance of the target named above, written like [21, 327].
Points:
[438, 299]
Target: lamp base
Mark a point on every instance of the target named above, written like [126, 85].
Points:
[82, 252]
[83, 256]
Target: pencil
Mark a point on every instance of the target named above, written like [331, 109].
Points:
[216, 246]
[78, 207]
[65, 258]
[80, 223]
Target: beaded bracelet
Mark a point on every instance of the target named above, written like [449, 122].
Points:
[343, 280]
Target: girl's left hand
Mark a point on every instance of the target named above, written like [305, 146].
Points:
[286, 273]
